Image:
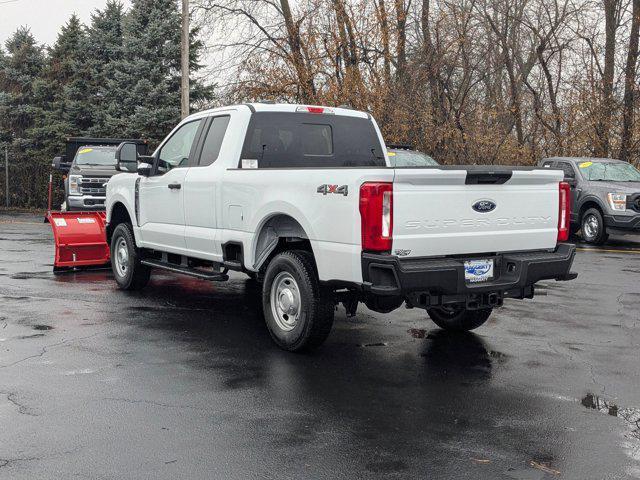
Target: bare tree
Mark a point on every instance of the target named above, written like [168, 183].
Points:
[630, 84]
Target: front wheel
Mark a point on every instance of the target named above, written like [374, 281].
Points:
[458, 317]
[129, 273]
[297, 309]
[593, 228]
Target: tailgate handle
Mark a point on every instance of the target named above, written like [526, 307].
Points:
[487, 178]
[174, 186]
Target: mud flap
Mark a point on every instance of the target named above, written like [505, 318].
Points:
[80, 239]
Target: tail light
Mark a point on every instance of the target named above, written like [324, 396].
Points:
[564, 212]
[376, 213]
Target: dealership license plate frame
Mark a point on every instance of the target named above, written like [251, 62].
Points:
[479, 270]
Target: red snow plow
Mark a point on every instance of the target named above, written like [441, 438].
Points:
[79, 230]
[80, 238]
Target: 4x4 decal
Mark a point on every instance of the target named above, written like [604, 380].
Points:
[339, 189]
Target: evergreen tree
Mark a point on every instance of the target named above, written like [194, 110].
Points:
[19, 70]
[63, 91]
[145, 84]
[104, 49]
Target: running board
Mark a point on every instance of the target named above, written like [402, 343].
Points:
[216, 277]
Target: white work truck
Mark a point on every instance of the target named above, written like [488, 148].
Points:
[303, 200]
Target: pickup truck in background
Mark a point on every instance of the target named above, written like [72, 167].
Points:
[304, 200]
[92, 164]
[406, 156]
[605, 196]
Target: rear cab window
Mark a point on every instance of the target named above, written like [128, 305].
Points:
[213, 140]
[307, 140]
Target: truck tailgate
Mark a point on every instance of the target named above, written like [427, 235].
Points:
[435, 210]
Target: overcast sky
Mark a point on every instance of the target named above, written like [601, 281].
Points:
[44, 17]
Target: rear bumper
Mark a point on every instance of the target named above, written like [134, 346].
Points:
[426, 282]
[626, 223]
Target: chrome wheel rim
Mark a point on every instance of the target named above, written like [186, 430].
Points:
[122, 257]
[590, 226]
[285, 301]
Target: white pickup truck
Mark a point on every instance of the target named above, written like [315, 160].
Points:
[302, 199]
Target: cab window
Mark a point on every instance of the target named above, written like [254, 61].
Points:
[306, 140]
[569, 173]
[213, 140]
[175, 152]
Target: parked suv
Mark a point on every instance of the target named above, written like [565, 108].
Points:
[605, 193]
[406, 156]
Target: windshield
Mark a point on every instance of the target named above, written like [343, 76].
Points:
[410, 158]
[609, 171]
[96, 156]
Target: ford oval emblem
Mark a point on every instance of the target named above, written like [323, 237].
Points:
[484, 206]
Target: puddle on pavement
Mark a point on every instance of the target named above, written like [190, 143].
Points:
[630, 415]
[459, 356]
[25, 337]
[42, 327]
[30, 275]
[375, 344]
[143, 308]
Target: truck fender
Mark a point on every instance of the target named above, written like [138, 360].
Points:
[590, 199]
[278, 224]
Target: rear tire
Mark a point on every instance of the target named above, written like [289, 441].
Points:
[298, 310]
[458, 318]
[593, 228]
[129, 273]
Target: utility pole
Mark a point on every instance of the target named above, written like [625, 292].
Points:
[184, 97]
[6, 174]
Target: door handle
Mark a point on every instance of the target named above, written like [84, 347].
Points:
[174, 186]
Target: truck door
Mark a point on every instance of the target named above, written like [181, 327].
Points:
[570, 178]
[161, 195]
[201, 192]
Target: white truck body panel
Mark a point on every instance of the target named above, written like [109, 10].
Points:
[331, 222]
[433, 213]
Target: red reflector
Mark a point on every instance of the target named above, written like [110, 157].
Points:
[315, 109]
[564, 212]
[376, 214]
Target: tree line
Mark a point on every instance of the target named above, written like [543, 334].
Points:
[467, 81]
[118, 76]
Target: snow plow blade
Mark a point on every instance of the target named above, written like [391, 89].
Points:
[80, 239]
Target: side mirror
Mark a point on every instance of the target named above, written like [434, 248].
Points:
[127, 157]
[144, 169]
[60, 163]
[571, 181]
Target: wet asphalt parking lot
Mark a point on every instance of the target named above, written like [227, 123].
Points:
[182, 381]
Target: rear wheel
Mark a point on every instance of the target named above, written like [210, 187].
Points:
[593, 228]
[129, 273]
[297, 309]
[458, 317]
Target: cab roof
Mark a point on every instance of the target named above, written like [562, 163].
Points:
[284, 107]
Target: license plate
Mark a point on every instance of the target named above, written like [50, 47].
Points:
[478, 270]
